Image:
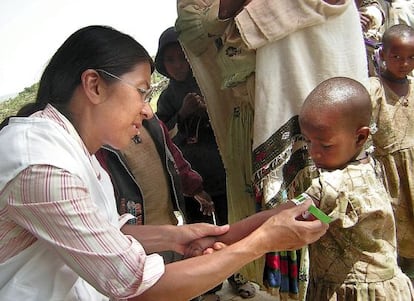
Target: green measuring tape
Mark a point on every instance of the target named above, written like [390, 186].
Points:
[316, 212]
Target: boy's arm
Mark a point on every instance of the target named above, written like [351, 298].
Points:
[192, 182]
[165, 110]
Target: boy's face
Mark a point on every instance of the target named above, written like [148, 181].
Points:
[331, 144]
[175, 62]
[399, 56]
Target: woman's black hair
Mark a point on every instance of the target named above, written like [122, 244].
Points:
[92, 47]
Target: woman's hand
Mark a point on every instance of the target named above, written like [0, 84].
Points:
[195, 238]
[287, 231]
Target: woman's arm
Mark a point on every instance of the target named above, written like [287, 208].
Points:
[187, 278]
[237, 230]
[168, 237]
[53, 206]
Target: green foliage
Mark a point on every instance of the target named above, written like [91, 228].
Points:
[159, 83]
[12, 105]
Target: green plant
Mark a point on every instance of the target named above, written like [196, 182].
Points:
[12, 105]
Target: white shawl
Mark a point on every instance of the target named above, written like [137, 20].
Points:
[319, 42]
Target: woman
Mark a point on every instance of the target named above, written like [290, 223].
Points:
[61, 238]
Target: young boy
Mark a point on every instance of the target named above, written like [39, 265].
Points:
[357, 255]
[356, 259]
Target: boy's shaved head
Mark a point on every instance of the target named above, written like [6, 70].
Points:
[399, 31]
[343, 97]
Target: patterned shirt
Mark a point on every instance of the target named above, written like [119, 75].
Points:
[50, 204]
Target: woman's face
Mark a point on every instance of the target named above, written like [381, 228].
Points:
[123, 110]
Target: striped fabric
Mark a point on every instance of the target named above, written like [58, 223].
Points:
[50, 204]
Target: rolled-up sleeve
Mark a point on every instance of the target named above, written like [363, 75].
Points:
[262, 22]
[54, 206]
[198, 23]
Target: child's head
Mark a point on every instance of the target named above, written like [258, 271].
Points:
[398, 50]
[334, 120]
[170, 60]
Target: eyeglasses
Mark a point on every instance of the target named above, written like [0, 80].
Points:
[145, 93]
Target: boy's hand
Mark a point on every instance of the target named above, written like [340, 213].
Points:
[197, 248]
[365, 21]
[192, 104]
[216, 247]
[194, 238]
[206, 204]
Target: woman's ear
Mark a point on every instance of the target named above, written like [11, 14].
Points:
[92, 85]
[362, 135]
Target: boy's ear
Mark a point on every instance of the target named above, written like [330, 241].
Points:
[362, 135]
[381, 54]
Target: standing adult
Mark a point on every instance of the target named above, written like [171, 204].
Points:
[401, 12]
[292, 46]
[182, 106]
[224, 69]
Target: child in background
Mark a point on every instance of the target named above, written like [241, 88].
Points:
[181, 105]
[392, 95]
[356, 259]
[372, 14]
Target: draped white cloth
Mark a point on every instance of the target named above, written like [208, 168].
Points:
[294, 55]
